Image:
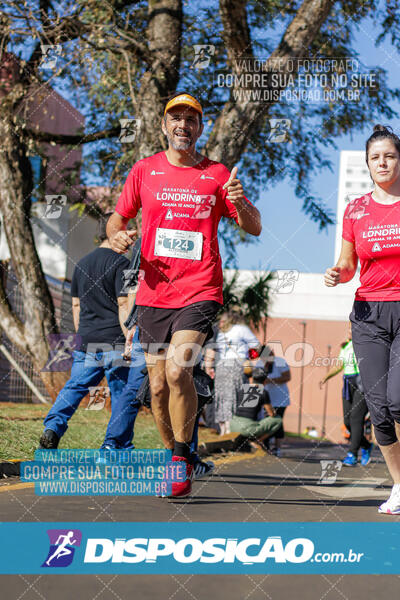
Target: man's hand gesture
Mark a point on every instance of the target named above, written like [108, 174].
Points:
[235, 189]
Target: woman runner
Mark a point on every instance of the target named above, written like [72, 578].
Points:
[371, 234]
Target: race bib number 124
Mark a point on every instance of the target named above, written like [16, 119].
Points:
[175, 243]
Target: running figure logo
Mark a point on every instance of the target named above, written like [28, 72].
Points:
[55, 204]
[251, 394]
[279, 130]
[357, 209]
[330, 469]
[62, 345]
[97, 397]
[50, 54]
[203, 54]
[62, 547]
[129, 130]
[285, 281]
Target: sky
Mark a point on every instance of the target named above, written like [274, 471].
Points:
[290, 240]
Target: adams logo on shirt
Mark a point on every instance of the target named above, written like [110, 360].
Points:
[62, 547]
[376, 247]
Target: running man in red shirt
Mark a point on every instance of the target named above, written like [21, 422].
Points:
[183, 196]
[371, 233]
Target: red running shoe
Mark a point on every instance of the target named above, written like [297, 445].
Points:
[181, 489]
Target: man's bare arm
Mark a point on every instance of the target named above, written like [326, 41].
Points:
[249, 218]
[131, 300]
[76, 309]
[123, 312]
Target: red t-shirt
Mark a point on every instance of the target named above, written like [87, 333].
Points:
[181, 208]
[374, 229]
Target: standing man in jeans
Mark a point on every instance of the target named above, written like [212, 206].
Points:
[99, 306]
[183, 196]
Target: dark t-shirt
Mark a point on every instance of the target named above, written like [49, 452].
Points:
[131, 280]
[98, 281]
[251, 397]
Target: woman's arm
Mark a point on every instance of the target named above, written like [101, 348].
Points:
[345, 267]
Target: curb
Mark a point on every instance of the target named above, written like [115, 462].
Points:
[230, 442]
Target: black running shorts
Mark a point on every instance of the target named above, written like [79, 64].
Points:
[157, 325]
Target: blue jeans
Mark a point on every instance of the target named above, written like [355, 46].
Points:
[125, 409]
[88, 369]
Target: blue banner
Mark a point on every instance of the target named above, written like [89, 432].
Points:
[159, 548]
[103, 472]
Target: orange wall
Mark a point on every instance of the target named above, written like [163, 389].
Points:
[288, 335]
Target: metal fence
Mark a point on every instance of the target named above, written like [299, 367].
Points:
[12, 387]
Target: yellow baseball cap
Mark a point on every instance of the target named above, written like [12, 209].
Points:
[186, 100]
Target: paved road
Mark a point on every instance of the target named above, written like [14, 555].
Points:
[244, 488]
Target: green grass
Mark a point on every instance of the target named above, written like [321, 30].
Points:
[304, 436]
[22, 424]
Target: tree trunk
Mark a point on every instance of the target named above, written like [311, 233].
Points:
[15, 203]
[164, 35]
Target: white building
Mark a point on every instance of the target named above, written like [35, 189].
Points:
[354, 181]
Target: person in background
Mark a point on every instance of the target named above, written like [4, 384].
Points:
[99, 306]
[354, 405]
[251, 398]
[278, 376]
[233, 342]
[127, 404]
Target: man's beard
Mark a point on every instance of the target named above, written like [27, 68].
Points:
[179, 145]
